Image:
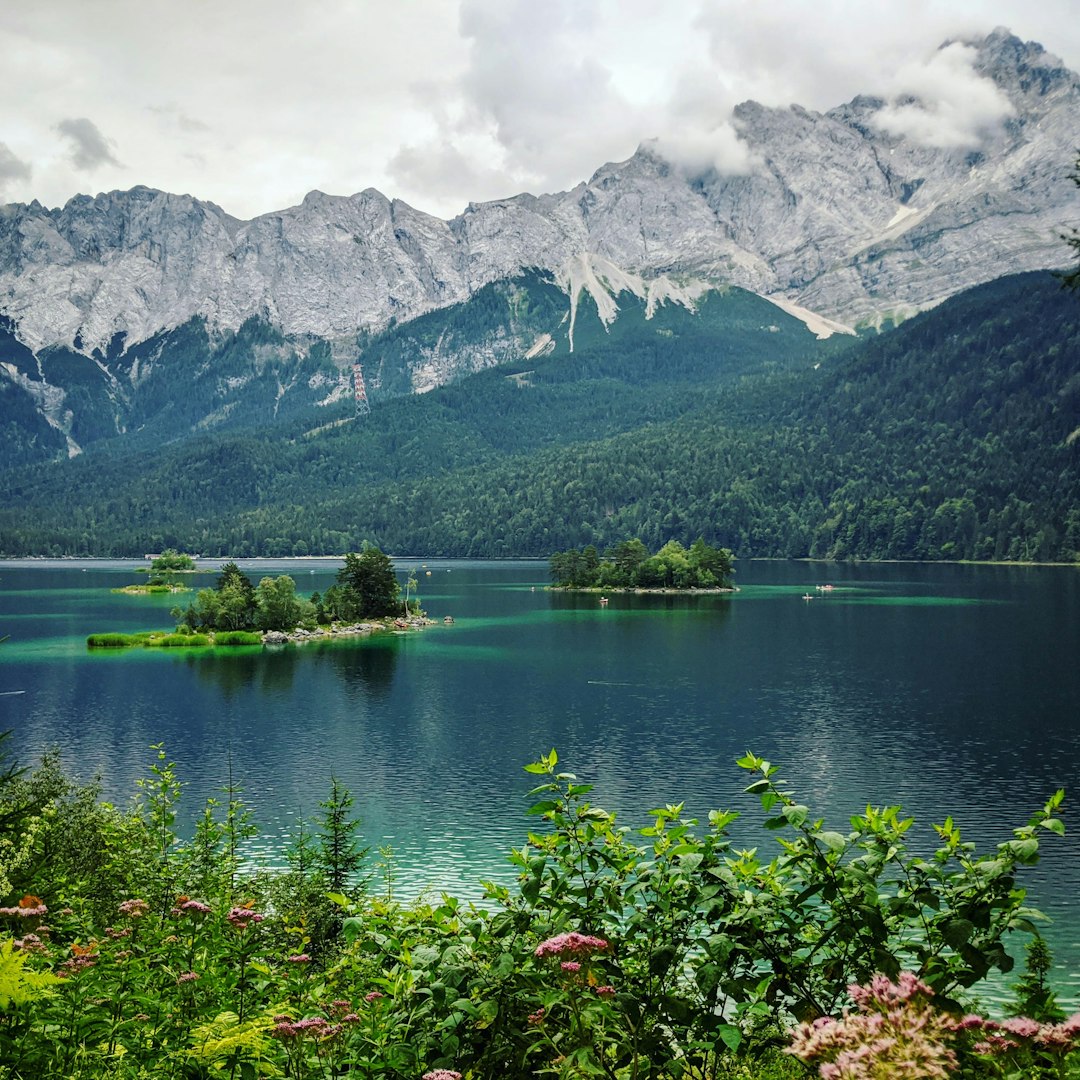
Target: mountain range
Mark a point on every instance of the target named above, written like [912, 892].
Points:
[151, 316]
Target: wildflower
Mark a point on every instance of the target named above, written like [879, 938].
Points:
[66, 911]
[29, 907]
[184, 906]
[537, 1017]
[76, 964]
[994, 1044]
[573, 943]
[302, 958]
[373, 995]
[134, 909]
[1022, 1026]
[605, 991]
[350, 1018]
[894, 1028]
[441, 1074]
[117, 935]
[242, 917]
[187, 977]
[142, 1017]
[30, 943]
[572, 966]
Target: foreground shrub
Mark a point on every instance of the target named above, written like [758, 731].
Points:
[669, 954]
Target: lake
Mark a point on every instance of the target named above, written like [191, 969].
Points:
[950, 689]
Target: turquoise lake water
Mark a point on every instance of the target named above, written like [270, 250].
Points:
[950, 689]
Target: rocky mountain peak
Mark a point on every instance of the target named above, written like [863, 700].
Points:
[841, 214]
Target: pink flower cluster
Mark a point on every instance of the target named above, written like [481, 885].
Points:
[242, 917]
[30, 943]
[1004, 1036]
[29, 907]
[441, 1074]
[186, 906]
[134, 909]
[895, 1033]
[314, 1027]
[572, 943]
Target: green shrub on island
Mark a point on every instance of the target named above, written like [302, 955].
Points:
[147, 639]
[112, 641]
[628, 565]
[366, 588]
[670, 954]
[171, 641]
[237, 637]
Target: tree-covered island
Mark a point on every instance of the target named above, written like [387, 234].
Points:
[235, 611]
[628, 565]
[163, 570]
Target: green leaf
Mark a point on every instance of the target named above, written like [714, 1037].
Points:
[957, 932]
[834, 841]
[796, 815]
[731, 1036]
[1055, 825]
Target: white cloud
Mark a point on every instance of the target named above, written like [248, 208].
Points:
[953, 107]
[696, 132]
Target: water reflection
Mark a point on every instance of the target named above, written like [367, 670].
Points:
[365, 666]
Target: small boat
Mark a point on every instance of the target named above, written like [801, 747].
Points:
[449, 620]
[603, 601]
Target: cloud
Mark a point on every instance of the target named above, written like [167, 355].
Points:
[12, 167]
[695, 130]
[89, 148]
[441, 165]
[949, 106]
[173, 116]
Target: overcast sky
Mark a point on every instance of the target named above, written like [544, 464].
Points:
[253, 103]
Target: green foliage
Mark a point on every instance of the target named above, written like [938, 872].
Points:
[1034, 995]
[19, 983]
[628, 565]
[112, 641]
[340, 855]
[366, 587]
[237, 637]
[658, 955]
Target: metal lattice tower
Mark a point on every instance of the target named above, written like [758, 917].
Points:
[360, 391]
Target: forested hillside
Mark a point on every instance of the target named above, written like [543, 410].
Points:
[953, 436]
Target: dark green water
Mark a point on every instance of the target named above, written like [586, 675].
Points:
[951, 689]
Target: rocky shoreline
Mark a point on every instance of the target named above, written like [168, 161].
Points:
[361, 629]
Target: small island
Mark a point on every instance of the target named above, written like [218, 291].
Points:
[629, 567]
[163, 571]
[366, 597]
